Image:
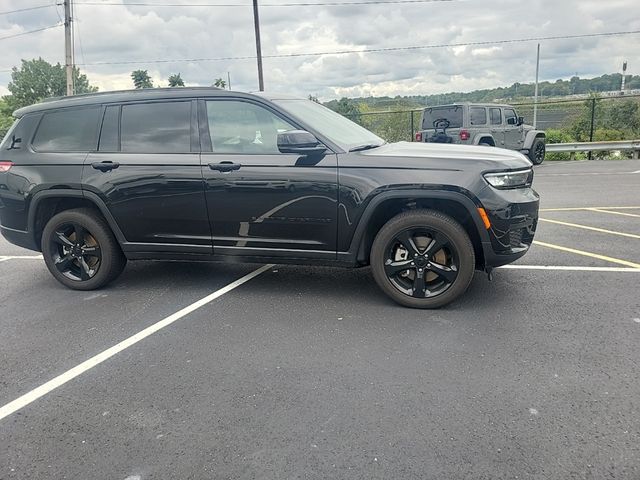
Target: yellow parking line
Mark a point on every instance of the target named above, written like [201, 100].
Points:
[614, 213]
[595, 229]
[577, 209]
[588, 254]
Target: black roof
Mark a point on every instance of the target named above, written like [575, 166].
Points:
[126, 95]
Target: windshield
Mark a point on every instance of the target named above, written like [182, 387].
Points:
[332, 125]
[453, 114]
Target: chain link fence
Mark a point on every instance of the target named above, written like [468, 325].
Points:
[572, 120]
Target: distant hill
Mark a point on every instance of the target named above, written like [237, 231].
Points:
[518, 92]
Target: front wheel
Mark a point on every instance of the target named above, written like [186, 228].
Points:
[422, 259]
[537, 151]
[80, 250]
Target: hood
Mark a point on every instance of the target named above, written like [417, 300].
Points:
[444, 156]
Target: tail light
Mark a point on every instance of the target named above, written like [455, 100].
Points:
[5, 166]
[418, 136]
[464, 135]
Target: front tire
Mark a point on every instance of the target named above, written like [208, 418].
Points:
[422, 259]
[80, 250]
[537, 151]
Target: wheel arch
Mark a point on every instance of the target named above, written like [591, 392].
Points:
[47, 203]
[484, 137]
[386, 206]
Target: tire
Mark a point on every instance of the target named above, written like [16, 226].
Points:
[537, 151]
[80, 249]
[436, 241]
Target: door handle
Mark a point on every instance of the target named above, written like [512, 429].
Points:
[224, 166]
[105, 166]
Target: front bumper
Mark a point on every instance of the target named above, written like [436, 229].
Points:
[514, 218]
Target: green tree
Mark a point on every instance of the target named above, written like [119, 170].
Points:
[141, 79]
[220, 83]
[6, 120]
[175, 80]
[37, 79]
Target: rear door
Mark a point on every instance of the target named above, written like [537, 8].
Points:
[147, 171]
[261, 201]
[497, 128]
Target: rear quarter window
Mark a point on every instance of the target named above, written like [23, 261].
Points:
[68, 130]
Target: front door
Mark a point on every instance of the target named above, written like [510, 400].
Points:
[261, 201]
[147, 171]
[512, 131]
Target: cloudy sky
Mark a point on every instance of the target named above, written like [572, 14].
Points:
[112, 31]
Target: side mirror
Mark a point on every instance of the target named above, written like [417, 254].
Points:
[301, 142]
[520, 121]
[512, 121]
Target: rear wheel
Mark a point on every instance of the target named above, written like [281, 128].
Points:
[80, 250]
[537, 151]
[422, 259]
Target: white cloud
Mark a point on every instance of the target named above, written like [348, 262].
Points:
[143, 34]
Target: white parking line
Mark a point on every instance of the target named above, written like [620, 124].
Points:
[20, 257]
[60, 380]
[571, 268]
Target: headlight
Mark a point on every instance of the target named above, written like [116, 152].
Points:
[503, 180]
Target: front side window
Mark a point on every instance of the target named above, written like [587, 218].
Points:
[156, 127]
[242, 127]
[510, 116]
[496, 116]
[478, 116]
[68, 130]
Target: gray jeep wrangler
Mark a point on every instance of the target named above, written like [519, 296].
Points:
[481, 124]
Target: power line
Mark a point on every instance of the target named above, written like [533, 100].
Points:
[31, 31]
[27, 9]
[372, 50]
[291, 4]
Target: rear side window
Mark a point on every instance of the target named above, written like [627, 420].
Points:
[478, 116]
[156, 127]
[496, 116]
[452, 114]
[68, 130]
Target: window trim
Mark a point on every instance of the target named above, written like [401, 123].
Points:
[204, 125]
[97, 107]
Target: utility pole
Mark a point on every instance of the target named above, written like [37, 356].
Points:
[624, 76]
[229, 80]
[256, 22]
[68, 46]
[535, 100]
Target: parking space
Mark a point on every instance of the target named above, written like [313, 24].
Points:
[313, 373]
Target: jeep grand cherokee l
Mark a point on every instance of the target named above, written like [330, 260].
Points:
[95, 180]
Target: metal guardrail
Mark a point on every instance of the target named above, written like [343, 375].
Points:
[618, 145]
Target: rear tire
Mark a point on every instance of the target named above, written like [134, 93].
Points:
[80, 249]
[422, 259]
[537, 151]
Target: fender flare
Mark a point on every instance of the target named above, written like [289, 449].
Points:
[471, 205]
[70, 193]
[531, 136]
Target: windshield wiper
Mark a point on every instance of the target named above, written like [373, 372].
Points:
[367, 146]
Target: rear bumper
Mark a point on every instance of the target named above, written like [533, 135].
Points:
[19, 237]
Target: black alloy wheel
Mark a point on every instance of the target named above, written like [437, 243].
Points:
[422, 259]
[80, 250]
[421, 262]
[76, 253]
[538, 152]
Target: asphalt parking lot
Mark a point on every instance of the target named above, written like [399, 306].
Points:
[306, 372]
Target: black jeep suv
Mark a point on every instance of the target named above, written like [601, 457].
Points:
[95, 180]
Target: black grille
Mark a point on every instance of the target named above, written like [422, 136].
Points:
[515, 237]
